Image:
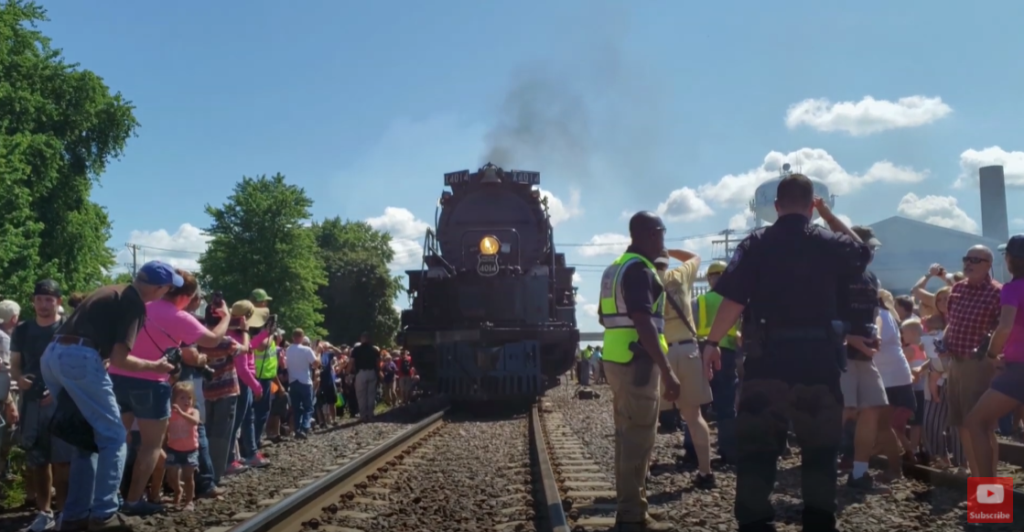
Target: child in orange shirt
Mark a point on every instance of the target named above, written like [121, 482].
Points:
[183, 444]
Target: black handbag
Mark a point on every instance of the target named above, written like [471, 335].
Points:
[70, 425]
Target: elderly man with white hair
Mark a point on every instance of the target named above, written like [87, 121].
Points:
[973, 314]
[9, 311]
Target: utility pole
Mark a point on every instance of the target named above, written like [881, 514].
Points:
[725, 242]
[134, 264]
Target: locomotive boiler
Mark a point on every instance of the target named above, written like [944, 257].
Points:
[493, 313]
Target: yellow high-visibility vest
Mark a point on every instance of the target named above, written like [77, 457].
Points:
[707, 309]
[619, 331]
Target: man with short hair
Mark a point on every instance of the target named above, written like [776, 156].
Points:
[47, 456]
[366, 358]
[102, 328]
[973, 313]
[302, 362]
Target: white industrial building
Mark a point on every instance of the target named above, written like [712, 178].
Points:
[909, 247]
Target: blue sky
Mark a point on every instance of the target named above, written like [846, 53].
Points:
[366, 105]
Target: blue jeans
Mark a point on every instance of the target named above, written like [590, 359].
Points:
[204, 473]
[96, 478]
[243, 426]
[302, 404]
[261, 409]
[723, 391]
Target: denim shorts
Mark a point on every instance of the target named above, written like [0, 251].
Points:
[145, 399]
[1010, 381]
[181, 458]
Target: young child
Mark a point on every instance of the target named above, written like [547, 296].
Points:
[913, 348]
[183, 444]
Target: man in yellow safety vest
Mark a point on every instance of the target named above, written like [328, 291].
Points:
[631, 310]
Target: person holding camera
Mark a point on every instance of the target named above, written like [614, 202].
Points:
[102, 329]
[145, 396]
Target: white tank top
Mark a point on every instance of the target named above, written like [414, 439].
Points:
[889, 360]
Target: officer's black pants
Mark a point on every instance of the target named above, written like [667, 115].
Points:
[797, 385]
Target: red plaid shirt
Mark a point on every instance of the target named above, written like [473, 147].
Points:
[973, 313]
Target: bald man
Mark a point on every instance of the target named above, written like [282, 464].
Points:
[973, 314]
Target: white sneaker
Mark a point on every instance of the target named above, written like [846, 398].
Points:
[43, 521]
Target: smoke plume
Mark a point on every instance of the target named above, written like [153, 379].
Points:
[593, 116]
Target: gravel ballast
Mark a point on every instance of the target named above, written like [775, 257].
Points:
[911, 505]
[471, 475]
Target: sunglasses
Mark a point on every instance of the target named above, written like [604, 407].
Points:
[974, 260]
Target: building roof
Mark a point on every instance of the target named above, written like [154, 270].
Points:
[910, 247]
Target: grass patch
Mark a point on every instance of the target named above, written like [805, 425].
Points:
[12, 495]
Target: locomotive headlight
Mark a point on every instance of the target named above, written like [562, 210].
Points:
[489, 245]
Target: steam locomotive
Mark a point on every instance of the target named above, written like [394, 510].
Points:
[493, 314]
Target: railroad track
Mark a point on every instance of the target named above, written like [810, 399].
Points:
[1011, 458]
[446, 472]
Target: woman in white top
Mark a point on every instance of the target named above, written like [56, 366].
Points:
[896, 377]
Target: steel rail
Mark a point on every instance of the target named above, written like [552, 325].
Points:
[278, 513]
[555, 513]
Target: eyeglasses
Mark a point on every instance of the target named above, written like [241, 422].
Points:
[974, 260]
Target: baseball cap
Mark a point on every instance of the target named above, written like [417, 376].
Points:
[158, 273]
[8, 310]
[1014, 247]
[259, 295]
[47, 287]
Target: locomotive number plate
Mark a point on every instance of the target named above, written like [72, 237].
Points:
[488, 265]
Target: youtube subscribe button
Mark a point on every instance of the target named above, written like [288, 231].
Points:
[990, 500]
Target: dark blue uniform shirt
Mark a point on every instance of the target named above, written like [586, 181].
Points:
[789, 274]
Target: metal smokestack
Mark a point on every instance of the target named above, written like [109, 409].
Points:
[994, 223]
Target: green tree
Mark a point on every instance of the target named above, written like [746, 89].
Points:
[259, 240]
[59, 127]
[360, 290]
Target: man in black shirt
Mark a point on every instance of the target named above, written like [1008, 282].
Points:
[863, 390]
[103, 327]
[366, 358]
[785, 280]
[28, 341]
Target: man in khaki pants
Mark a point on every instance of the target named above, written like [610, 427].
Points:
[684, 357]
[632, 312]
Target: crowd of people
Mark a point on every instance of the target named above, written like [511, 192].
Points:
[923, 377]
[175, 401]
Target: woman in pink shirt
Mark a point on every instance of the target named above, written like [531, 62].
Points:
[145, 398]
[245, 367]
[1006, 392]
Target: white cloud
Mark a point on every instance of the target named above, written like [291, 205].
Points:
[180, 249]
[406, 235]
[972, 160]
[867, 116]
[577, 278]
[736, 190]
[741, 220]
[938, 210]
[612, 244]
[844, 218]
[560, 211]
[684, 205]
[590, 310]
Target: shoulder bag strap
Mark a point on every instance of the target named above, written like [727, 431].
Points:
[679, 310]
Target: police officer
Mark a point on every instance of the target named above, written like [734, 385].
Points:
[634, 357]
[785, 279]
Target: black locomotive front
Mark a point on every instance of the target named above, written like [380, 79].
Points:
[493, 307]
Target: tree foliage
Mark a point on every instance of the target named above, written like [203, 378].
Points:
[360, 290]
[259, 240]
[59, 127]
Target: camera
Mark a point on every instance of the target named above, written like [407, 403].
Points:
[217, 299]
[206, 372]
[173, 355]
